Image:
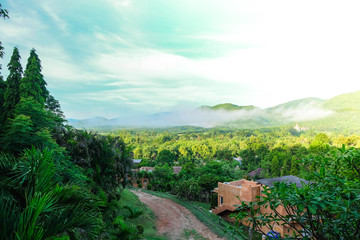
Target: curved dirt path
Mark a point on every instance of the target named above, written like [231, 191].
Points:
[173, 219]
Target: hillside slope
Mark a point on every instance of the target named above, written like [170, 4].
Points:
[339, 113]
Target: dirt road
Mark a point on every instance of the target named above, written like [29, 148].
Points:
[174, 220]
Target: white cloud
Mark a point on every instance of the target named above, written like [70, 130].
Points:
[297, 49]
[50, 8]
[120, 4]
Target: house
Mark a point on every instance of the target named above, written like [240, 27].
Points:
[233, 193]
[176, 169]
[238, 159]
[146, 169]
[136, 162]
[144, 181]
[299, 129]
[255, 173]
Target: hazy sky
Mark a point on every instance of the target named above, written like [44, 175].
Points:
[115, 58]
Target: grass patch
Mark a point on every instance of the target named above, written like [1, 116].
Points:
[146, 219]
[201, 212]
[193, 234]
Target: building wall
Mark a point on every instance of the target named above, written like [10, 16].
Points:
[233, 193]
[144, 182]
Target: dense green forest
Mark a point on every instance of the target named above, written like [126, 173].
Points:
[208, 155]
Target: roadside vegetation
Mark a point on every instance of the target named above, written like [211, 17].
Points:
[132, 206]
[213, 222]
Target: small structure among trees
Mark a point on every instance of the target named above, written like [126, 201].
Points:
[231, 195]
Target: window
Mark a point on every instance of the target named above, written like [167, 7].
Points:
[221, 200]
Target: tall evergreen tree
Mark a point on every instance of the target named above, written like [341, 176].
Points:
[294, 168]
[275, 167]
[36, 114]
[33, 83]
[284, 169]
[1, 56]
[53, 106]
[12, 93]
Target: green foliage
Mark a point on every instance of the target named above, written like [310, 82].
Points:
[18, 135]
[53, 107]
[3, 13]
[294, 167]
[145, 223]
[284, 169]
[30, 127]
[327, 208]
[35, 206]
[12, 93]
[201, 211]
[229, 107]
[107, 159]
[2, 93]
[320, 144]
[187, 189]
[52, 198]
[165, 157]
[275, 167]
[162, 178]
[25, 119]
[33, 85]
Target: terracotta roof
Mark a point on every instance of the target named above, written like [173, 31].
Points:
[177, 169]
[255, 172]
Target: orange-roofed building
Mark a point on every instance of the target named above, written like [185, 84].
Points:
[231, 194]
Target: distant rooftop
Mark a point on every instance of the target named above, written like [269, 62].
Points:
[136, 161]
[177, 169]
[255, 172]
[287, 179]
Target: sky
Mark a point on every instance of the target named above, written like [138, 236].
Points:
[119, 58]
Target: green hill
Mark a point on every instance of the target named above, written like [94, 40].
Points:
[345, 117]
[228, 107]
[341, 113]
[344, 102]
[297, 104]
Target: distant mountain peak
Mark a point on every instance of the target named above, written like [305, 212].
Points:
[228, 107]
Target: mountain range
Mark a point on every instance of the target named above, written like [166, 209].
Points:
[336, 114]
